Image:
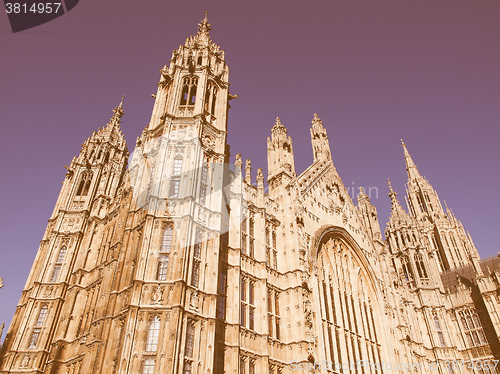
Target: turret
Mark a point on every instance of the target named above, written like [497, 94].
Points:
[319, 140]
[369, 213]
[280, 155]
[193, 85]
[99, 168]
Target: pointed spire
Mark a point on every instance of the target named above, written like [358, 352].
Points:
[117, 115]
[411, 168]
[398, 214]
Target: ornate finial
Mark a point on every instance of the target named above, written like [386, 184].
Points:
[117, 114]
[248, 171]
[238, 162]
[390, 185]
[362, 194]
[316, 116]
[204, 26]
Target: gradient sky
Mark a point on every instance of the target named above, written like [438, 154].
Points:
[375, 71]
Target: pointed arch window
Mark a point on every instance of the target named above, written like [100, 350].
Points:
[273, 313]
[195, 273]
[421, 203]
[244, 237]
[35, 334]
[407, 271]
[164, 256]
[472, 328]
[419, 263]
[58, 264]
[153, 334]
[189, 348]
[188, 95]
[84, 186]
[210, 98]
[439, 331]
[204, 184]
[175, 180]
[346, 312]
[42, 315]
[62, 254]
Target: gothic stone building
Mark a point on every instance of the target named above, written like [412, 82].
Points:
[179, 263]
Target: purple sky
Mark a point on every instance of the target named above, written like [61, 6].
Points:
[375, 71]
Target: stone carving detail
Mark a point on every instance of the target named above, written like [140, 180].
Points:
[157, 295]
[194, 302]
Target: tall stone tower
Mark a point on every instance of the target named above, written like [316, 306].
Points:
[128, 253]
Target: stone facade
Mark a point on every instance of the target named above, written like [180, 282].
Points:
[178, 263]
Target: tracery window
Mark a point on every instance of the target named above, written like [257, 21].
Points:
[347, 307]
[472, 328]
[419, 263]
[175, 179]
[34, 338]
[61, 255]
[177, 165]
[421, 203]
[149, 366]
[164, 255]
[42, 315]
[153, 334]
[204, 184]
[251, 238]
[84, 186]
[56, 271]
[439, 331]
[189, 348]
[221, 304]
[244, 237]
[210, 98]
[407, 271]
[247, 307]
[35, 334]
[273, 313]
[271, 250]
[195, 273]
[248, 235]
[188, 352]
[188, 95]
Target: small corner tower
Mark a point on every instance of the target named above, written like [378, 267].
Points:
[280, 160]
[319, 140]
